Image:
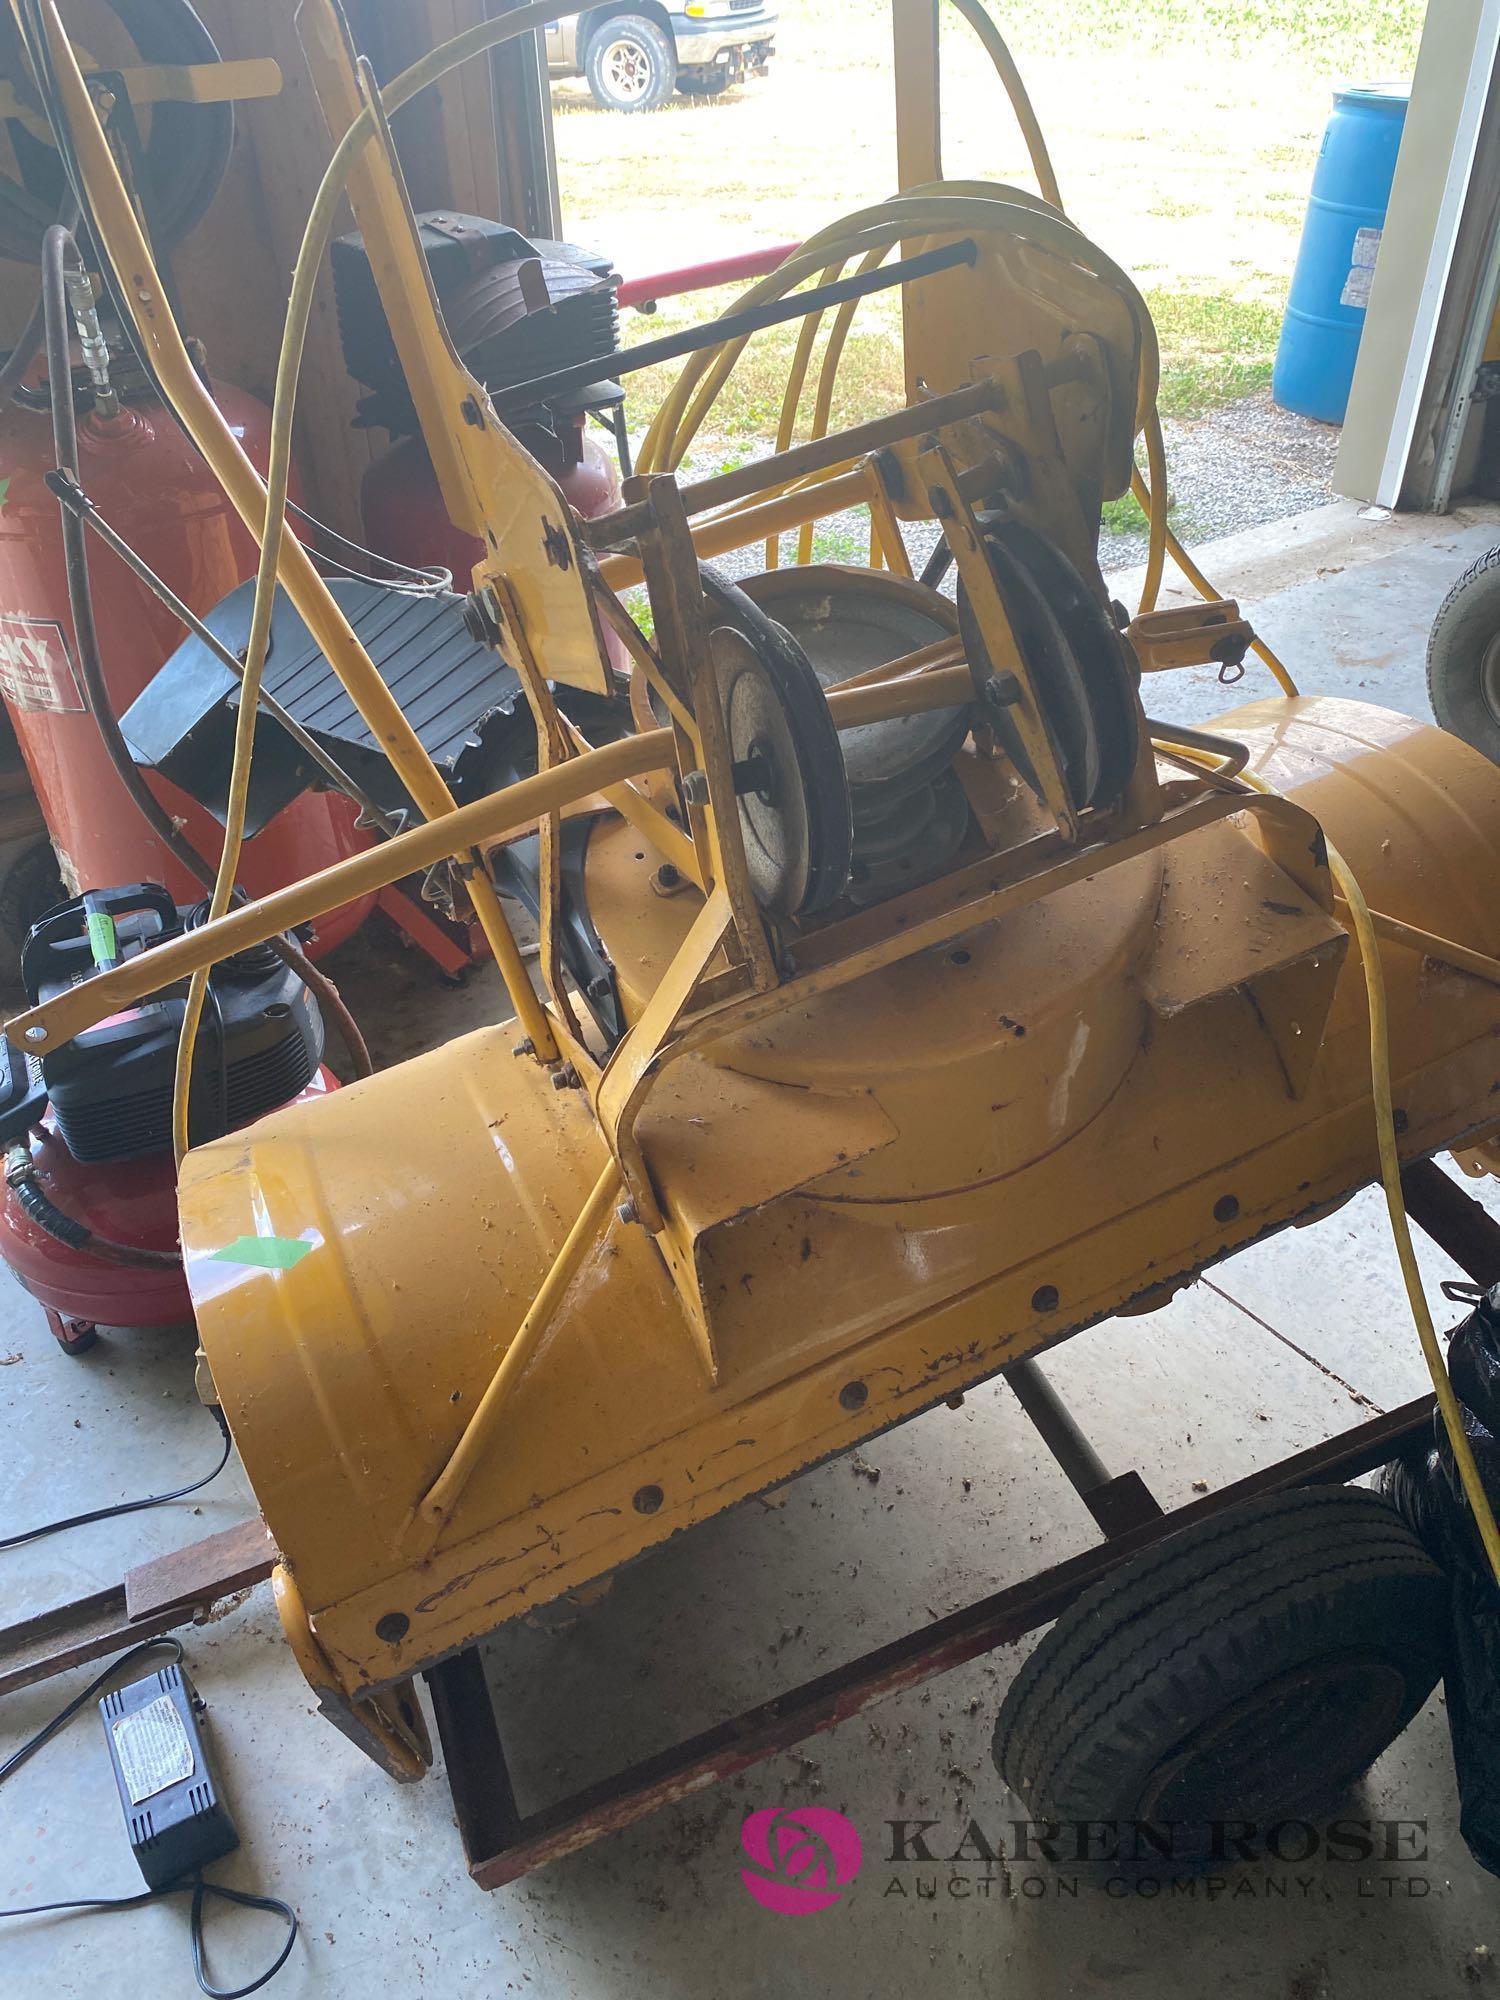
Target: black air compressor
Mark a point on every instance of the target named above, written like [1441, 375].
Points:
[88, 1221]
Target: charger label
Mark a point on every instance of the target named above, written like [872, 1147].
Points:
[153, 1748]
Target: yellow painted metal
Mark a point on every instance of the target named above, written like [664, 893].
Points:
[1190, 635]
[493, 818]
[160, 83]
[879, 1153]
[492, 487]
[923, 1173]
[914, 25]
[387, 1726]
[437, 1504]
[487, 821]
[751, 524]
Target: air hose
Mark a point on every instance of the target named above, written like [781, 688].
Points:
[24, 1182]
[58, 246]
[1368, 945]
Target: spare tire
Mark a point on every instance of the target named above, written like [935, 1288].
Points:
[1248, 1669]
[1463, 657]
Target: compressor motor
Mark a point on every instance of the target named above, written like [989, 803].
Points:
[88, 1221]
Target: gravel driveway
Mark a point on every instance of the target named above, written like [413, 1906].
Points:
[1242, 464]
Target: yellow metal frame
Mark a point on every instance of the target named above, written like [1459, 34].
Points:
[801, 1161]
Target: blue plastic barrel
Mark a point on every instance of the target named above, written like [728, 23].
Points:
[1325, 313]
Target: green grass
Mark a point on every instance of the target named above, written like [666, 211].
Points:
[1124, 516]
[1184, 133]
[835, 544]
[1337, 33]
[1215, 349]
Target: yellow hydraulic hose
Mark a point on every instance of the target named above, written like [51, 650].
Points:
[1390, 1179]
[1190, 569]
[919, 214]
[1154, 499]
[1368, 945]
[1152, 496]
[999, 54]
[791, 398]
[833, 354]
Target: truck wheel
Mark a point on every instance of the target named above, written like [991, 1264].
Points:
[1463, 657]
[1247, 1669]
[631, 64]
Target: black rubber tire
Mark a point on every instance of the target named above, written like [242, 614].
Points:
[654, 51]
[1076, 660]
[187, 151]
[1464, 652]
[1124, 1712]
[820, 759]
[714, 85]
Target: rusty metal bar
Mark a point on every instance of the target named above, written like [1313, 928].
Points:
[1054, 1424]
[609, 531]
[154, 1597]
[1454, 1220]
[502, 1846]
[1117, 1503]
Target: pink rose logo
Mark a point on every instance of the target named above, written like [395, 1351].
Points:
[801, 1857]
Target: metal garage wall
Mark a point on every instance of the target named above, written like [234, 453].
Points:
[1439, 232]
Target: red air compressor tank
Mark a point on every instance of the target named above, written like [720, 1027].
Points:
[404, 517]
[150, 484]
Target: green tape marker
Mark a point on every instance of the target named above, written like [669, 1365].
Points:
[266, 1253]
[104, 940]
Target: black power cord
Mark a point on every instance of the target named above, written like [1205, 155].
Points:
[192, 1884]
[121, 1507]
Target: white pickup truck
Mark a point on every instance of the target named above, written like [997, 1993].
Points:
[634, 54]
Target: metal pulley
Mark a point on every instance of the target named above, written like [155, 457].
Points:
[1077, 662]
[790, 781]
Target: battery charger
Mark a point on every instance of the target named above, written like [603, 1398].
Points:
[174, 1812]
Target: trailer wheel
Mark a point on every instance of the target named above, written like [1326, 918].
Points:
[631, 65]
[1463, 657]
[1247, 1669]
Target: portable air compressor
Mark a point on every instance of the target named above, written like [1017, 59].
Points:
[88, 1218]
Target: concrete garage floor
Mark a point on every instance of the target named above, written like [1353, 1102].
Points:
[1296, 1339]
